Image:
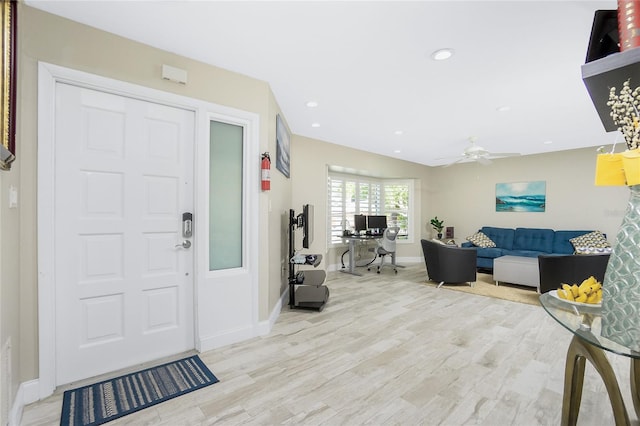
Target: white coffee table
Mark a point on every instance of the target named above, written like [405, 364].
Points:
[517, 270]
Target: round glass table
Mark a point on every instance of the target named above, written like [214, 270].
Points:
[584, 322]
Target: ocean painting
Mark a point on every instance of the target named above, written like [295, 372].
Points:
[521, 196]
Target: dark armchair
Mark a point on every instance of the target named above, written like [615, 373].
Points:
[570, 269]
[449, 264]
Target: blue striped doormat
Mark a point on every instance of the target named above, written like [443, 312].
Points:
[105, 401]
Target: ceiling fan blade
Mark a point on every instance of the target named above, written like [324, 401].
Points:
[454, 162]
[504, 154]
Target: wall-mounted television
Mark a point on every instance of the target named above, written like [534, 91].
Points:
[307, 225]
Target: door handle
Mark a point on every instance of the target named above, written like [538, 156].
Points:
[185, 244]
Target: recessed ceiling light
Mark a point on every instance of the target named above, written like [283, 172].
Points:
[503, 108]
[315, 125]
[312, 104]
[397, 151]
[442, 54]
[547, 142]
[397, 132]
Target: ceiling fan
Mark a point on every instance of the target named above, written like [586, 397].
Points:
[477, 153]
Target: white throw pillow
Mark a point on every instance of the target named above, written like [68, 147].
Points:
[593, 242]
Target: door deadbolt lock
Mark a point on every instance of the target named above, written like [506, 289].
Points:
[187, 225]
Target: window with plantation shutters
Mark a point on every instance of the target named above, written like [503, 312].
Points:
[396, 204]
[350, 195]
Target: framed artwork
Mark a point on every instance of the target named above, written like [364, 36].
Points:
[521, 196]
[282, 147]
[8, 90]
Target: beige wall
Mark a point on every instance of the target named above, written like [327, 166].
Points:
[277, 206]
[310, 160]
[48, 38]
[10, 289]
[464, 195]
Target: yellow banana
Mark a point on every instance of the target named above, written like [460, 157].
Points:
[584, 285]
[561, 294]
[582, 298]
[574, 290]
[588, 291]
[592, 297]
[569, 294]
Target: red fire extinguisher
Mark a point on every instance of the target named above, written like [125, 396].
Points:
[265, 168]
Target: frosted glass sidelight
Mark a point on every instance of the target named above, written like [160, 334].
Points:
[225, 192]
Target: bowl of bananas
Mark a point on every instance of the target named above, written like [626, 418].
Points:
[587, 293]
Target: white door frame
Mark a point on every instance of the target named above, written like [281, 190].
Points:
[48, 76]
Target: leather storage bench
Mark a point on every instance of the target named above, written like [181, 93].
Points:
[517, 270]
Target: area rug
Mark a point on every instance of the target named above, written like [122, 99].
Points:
[110, 399]
[485, 286]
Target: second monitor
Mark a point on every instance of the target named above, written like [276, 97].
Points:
[377, 223]
[360, 222]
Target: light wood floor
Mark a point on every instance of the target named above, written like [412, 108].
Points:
[388, 350]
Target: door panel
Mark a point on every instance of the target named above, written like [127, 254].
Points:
[123, 178]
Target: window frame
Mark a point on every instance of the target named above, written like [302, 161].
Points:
[332, 240]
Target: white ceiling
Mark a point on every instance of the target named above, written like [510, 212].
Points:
[368, 66]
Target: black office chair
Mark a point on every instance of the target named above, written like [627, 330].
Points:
[449, 264]
[570, 269]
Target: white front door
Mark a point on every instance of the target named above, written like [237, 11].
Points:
[123, 171]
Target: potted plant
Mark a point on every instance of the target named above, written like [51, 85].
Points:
[437, 225]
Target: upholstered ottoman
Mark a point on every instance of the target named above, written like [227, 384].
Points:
[517, 270]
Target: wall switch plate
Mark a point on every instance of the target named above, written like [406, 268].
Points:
[13, 197]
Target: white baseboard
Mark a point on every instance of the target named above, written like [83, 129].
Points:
[263, 328]
[215, 341]
[28, 392]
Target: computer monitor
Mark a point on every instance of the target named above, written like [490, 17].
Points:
[307, 225]
[360, 222]
[377, 222]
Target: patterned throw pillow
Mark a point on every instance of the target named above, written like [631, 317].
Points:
[592, 242]
[481, 240]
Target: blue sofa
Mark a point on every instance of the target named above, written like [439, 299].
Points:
[529, 242]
